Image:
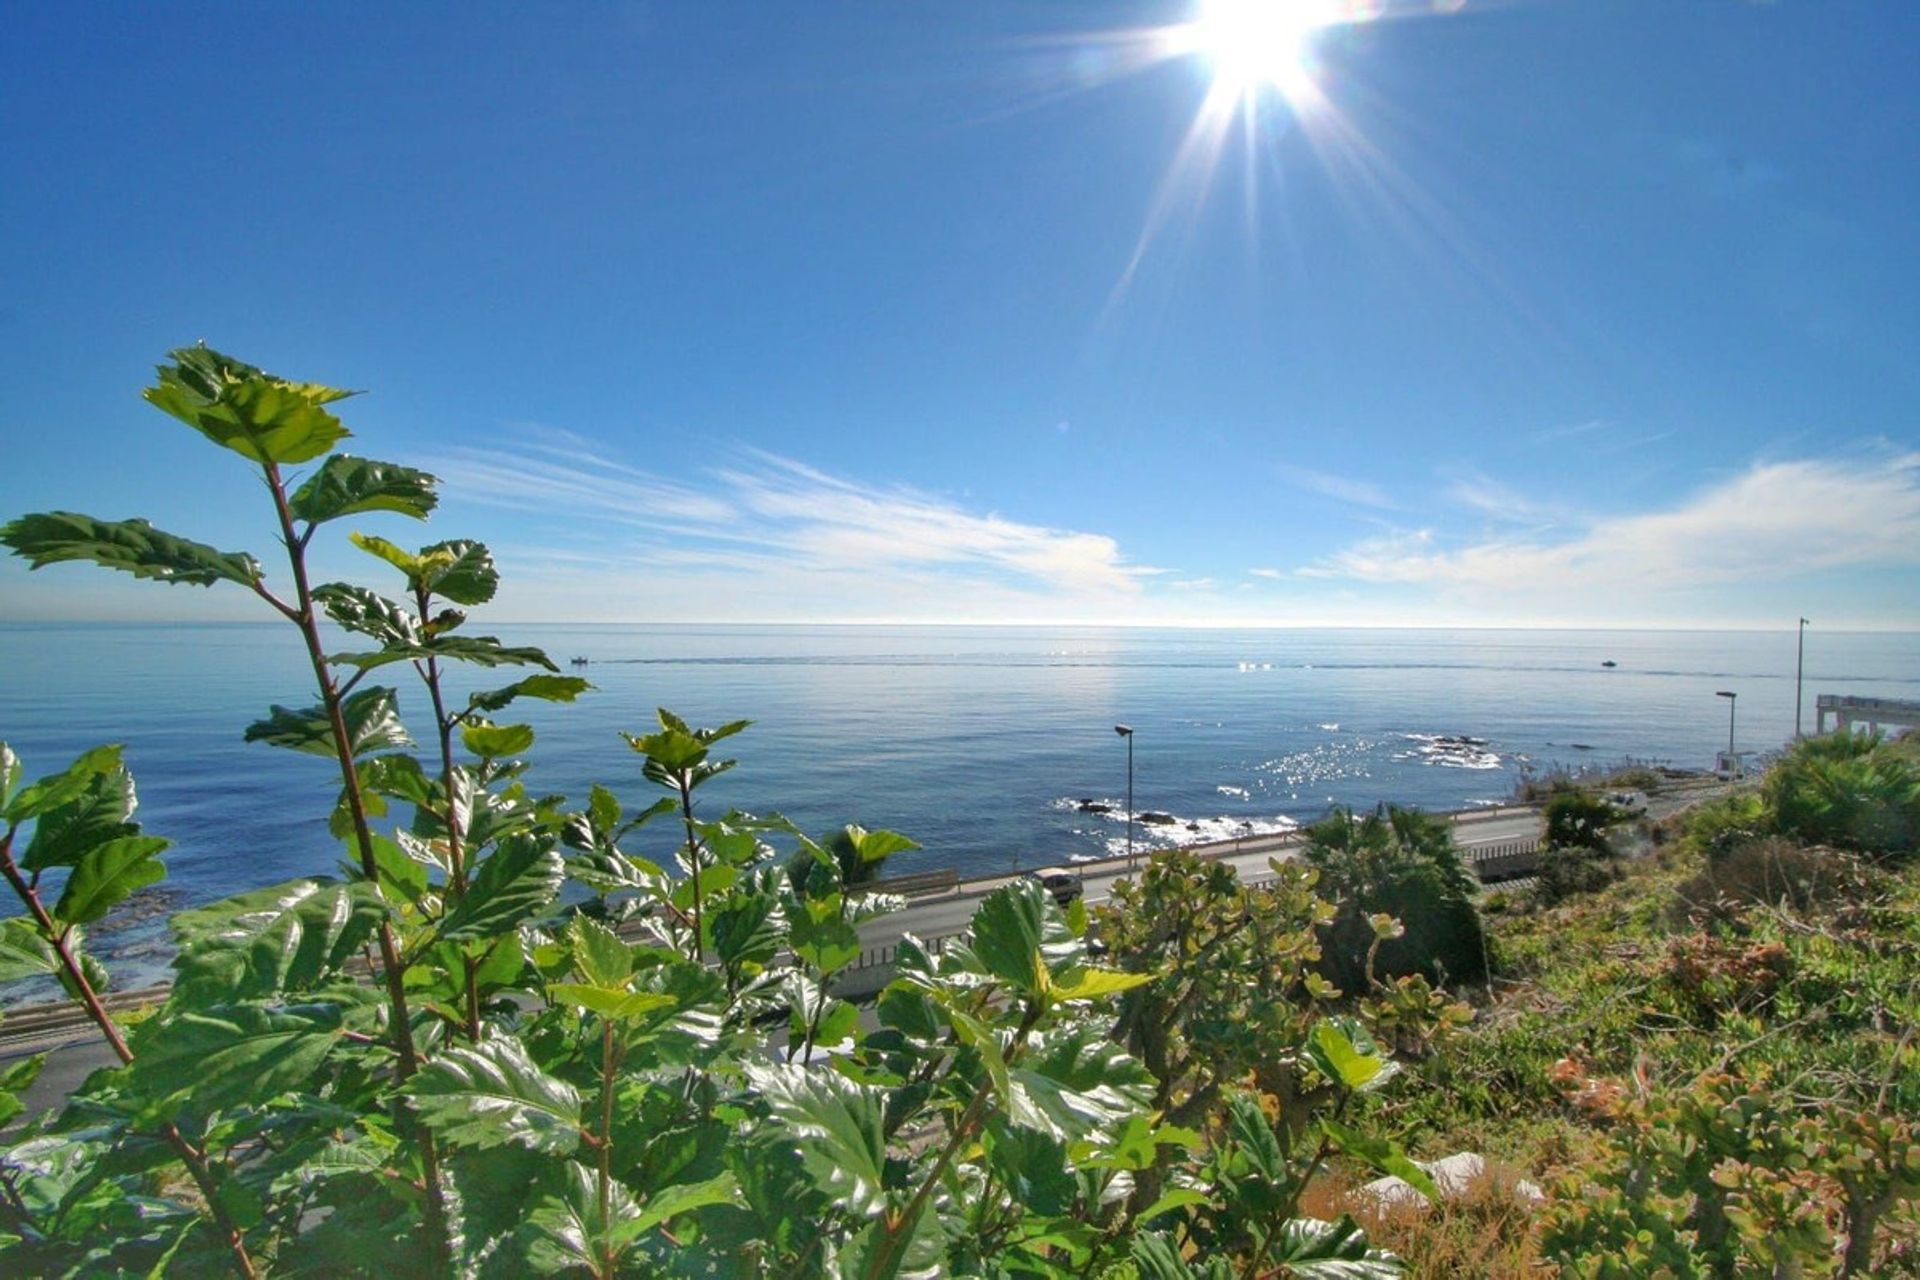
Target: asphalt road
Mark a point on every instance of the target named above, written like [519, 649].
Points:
[75, 1051]
[938, 916]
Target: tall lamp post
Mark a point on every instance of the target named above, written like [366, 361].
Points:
[1126, 731]
[1731, 698]
[1799, 669]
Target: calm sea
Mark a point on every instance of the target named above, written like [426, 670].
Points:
[978, 742]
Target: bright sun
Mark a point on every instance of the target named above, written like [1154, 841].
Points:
[1257, 44]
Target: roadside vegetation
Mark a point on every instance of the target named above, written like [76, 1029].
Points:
[521, 1034]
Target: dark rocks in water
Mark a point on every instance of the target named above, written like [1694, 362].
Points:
[1153, 819]
[1093, 806]
[1580, 746]
[1457, 740]
[1193, 826]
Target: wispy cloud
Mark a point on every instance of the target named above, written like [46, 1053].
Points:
[831, 545]
[1497, 501]
[1363, 493]
[1775, 521]
[1268, 573]
[1569, 430]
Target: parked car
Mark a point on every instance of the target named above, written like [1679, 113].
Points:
[1631, 803]
[1062, 882]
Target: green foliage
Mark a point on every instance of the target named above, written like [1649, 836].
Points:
[1403, 864]
[1847, 791]
[131, 546]
[432, 1066]
[1579, 820]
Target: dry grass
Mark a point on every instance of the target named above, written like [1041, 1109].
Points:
[1487, 1231]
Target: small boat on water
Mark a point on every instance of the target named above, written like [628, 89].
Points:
[1609, 663]
[579, 662]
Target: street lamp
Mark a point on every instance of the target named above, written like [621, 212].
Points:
[1799, 668]
[1126, 731]
[1730, 697]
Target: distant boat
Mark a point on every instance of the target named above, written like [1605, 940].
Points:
[1608, 663]
[579, 662]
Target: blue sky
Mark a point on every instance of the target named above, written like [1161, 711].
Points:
[1538, 312]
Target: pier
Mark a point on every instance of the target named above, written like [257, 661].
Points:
[1872, 712]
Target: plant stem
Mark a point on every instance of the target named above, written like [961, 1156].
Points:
[194, 1159]
[693, 859]
[456, 855]
[392, 968]
[608, 1064]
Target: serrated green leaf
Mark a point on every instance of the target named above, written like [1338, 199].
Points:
[372, 717]
[1316, 1250]
[598, 954]
[107, 875]
[1174, 1199]
[345, 485]
[547, 688]
[493, 1093]
[399, 557]
[572, 1233]
[614, 1005]
[1345, 1052]
[836, 1124]
[57, 789]
[98, 811]
[286, 937]
[24, 953]
[497, 741]
[519, 879]
[1091, 984]
[1032, 1167]
[747, 929]
[828, 945]
[1075, 1082]
[368, 613]
[1383, 1154]
[667, 1204]
[245, 409]
[461, 571]
[130, 546]
[402, 877]
[1008, 929]
[227, 1054]
[915, 1249]
[9, 775]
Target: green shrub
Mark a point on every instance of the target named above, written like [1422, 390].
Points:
[518, 1086]
[1580, 820]
[1569, 870]
[1849, 791]
[1401, 863]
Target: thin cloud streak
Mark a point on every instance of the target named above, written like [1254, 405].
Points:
[1776, 521]
[782, 534]
[1363, 493]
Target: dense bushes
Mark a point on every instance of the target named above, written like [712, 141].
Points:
[434, 1066]
[1401, 863]
[1852, 792]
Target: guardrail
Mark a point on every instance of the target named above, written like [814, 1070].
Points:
[1492, 863]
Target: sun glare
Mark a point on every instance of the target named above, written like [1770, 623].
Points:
[1257, 44]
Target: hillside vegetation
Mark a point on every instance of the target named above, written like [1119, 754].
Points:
[521, 1034]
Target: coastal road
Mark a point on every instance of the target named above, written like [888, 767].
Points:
[932, 917]
[75, 1049]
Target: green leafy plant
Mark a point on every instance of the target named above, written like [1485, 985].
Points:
[513, 1037]
[1403, 864]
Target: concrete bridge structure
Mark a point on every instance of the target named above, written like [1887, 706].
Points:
[1875, 713]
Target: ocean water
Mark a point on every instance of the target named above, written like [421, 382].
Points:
[980, 743]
